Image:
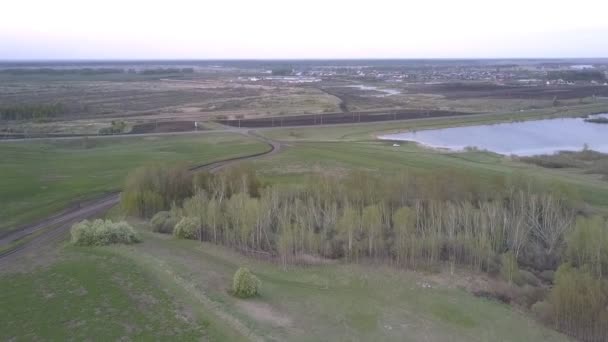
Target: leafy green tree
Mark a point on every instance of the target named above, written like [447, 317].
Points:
[372, 223]
[509, 269]
[404, 227]
[348, 224]
[587, 245]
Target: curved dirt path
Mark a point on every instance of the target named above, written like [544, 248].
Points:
[55, 227]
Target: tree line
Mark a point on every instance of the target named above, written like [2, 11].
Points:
[61, 71]
[412, 220]
[29, 112]
[576, 75]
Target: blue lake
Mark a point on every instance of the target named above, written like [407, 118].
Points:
[519, 138]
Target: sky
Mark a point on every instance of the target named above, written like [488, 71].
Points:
[299, 29]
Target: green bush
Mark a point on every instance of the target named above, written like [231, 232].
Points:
[187, 228]
[101, 233]
[245, 284]
[116, 128]
[163, 222]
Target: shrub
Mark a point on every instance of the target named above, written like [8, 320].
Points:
[543, 311]
[116, 128]
[187, 228]
[501, 292]
[529, 278]
[528, 295]
[101, 233]
[245, 284]
[547, 276]
[163, 222]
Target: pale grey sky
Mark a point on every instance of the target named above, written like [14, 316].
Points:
[191, 29]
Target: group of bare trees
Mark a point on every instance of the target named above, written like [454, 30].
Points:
[412, 220]
[398, 219]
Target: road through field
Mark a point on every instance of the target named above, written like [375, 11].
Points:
[53, 228]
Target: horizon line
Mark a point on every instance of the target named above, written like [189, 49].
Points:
[290, 59]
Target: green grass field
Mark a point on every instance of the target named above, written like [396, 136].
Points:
[96, 294]
[41, 177]
[115, 292]
[303, 158]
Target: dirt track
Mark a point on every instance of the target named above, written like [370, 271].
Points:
[55, 227]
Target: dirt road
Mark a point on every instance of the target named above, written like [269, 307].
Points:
[55, 227]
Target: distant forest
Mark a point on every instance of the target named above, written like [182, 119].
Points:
[93, 71]
[576, 75]
[29, 112]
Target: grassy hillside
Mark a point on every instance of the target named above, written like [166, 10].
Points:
[41, 177]
[302, 158]
[98, 294]
[324, 302]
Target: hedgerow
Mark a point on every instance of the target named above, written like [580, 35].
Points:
[101, 233]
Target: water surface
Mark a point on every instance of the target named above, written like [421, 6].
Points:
[519, 138]
[386, 91]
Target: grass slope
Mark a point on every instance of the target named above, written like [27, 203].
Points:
[95, 294]
[305, 157]
[164, 288]
[41, 177]
[334, 301]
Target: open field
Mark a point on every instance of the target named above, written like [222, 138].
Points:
[305, 158]
[341, 302]
[89, 99]
[242, 90]
[86, 293]
[42, 177]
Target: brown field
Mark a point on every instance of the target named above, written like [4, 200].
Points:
[148, 103]
[339, 118]
[487, 90]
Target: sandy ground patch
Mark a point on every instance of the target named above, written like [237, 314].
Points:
[265, 313]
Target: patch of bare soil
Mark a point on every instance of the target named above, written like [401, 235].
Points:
[265, 313]
[469, 281]
[309, 259]
[485, 286]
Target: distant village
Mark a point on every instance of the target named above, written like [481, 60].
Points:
[533, 75]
